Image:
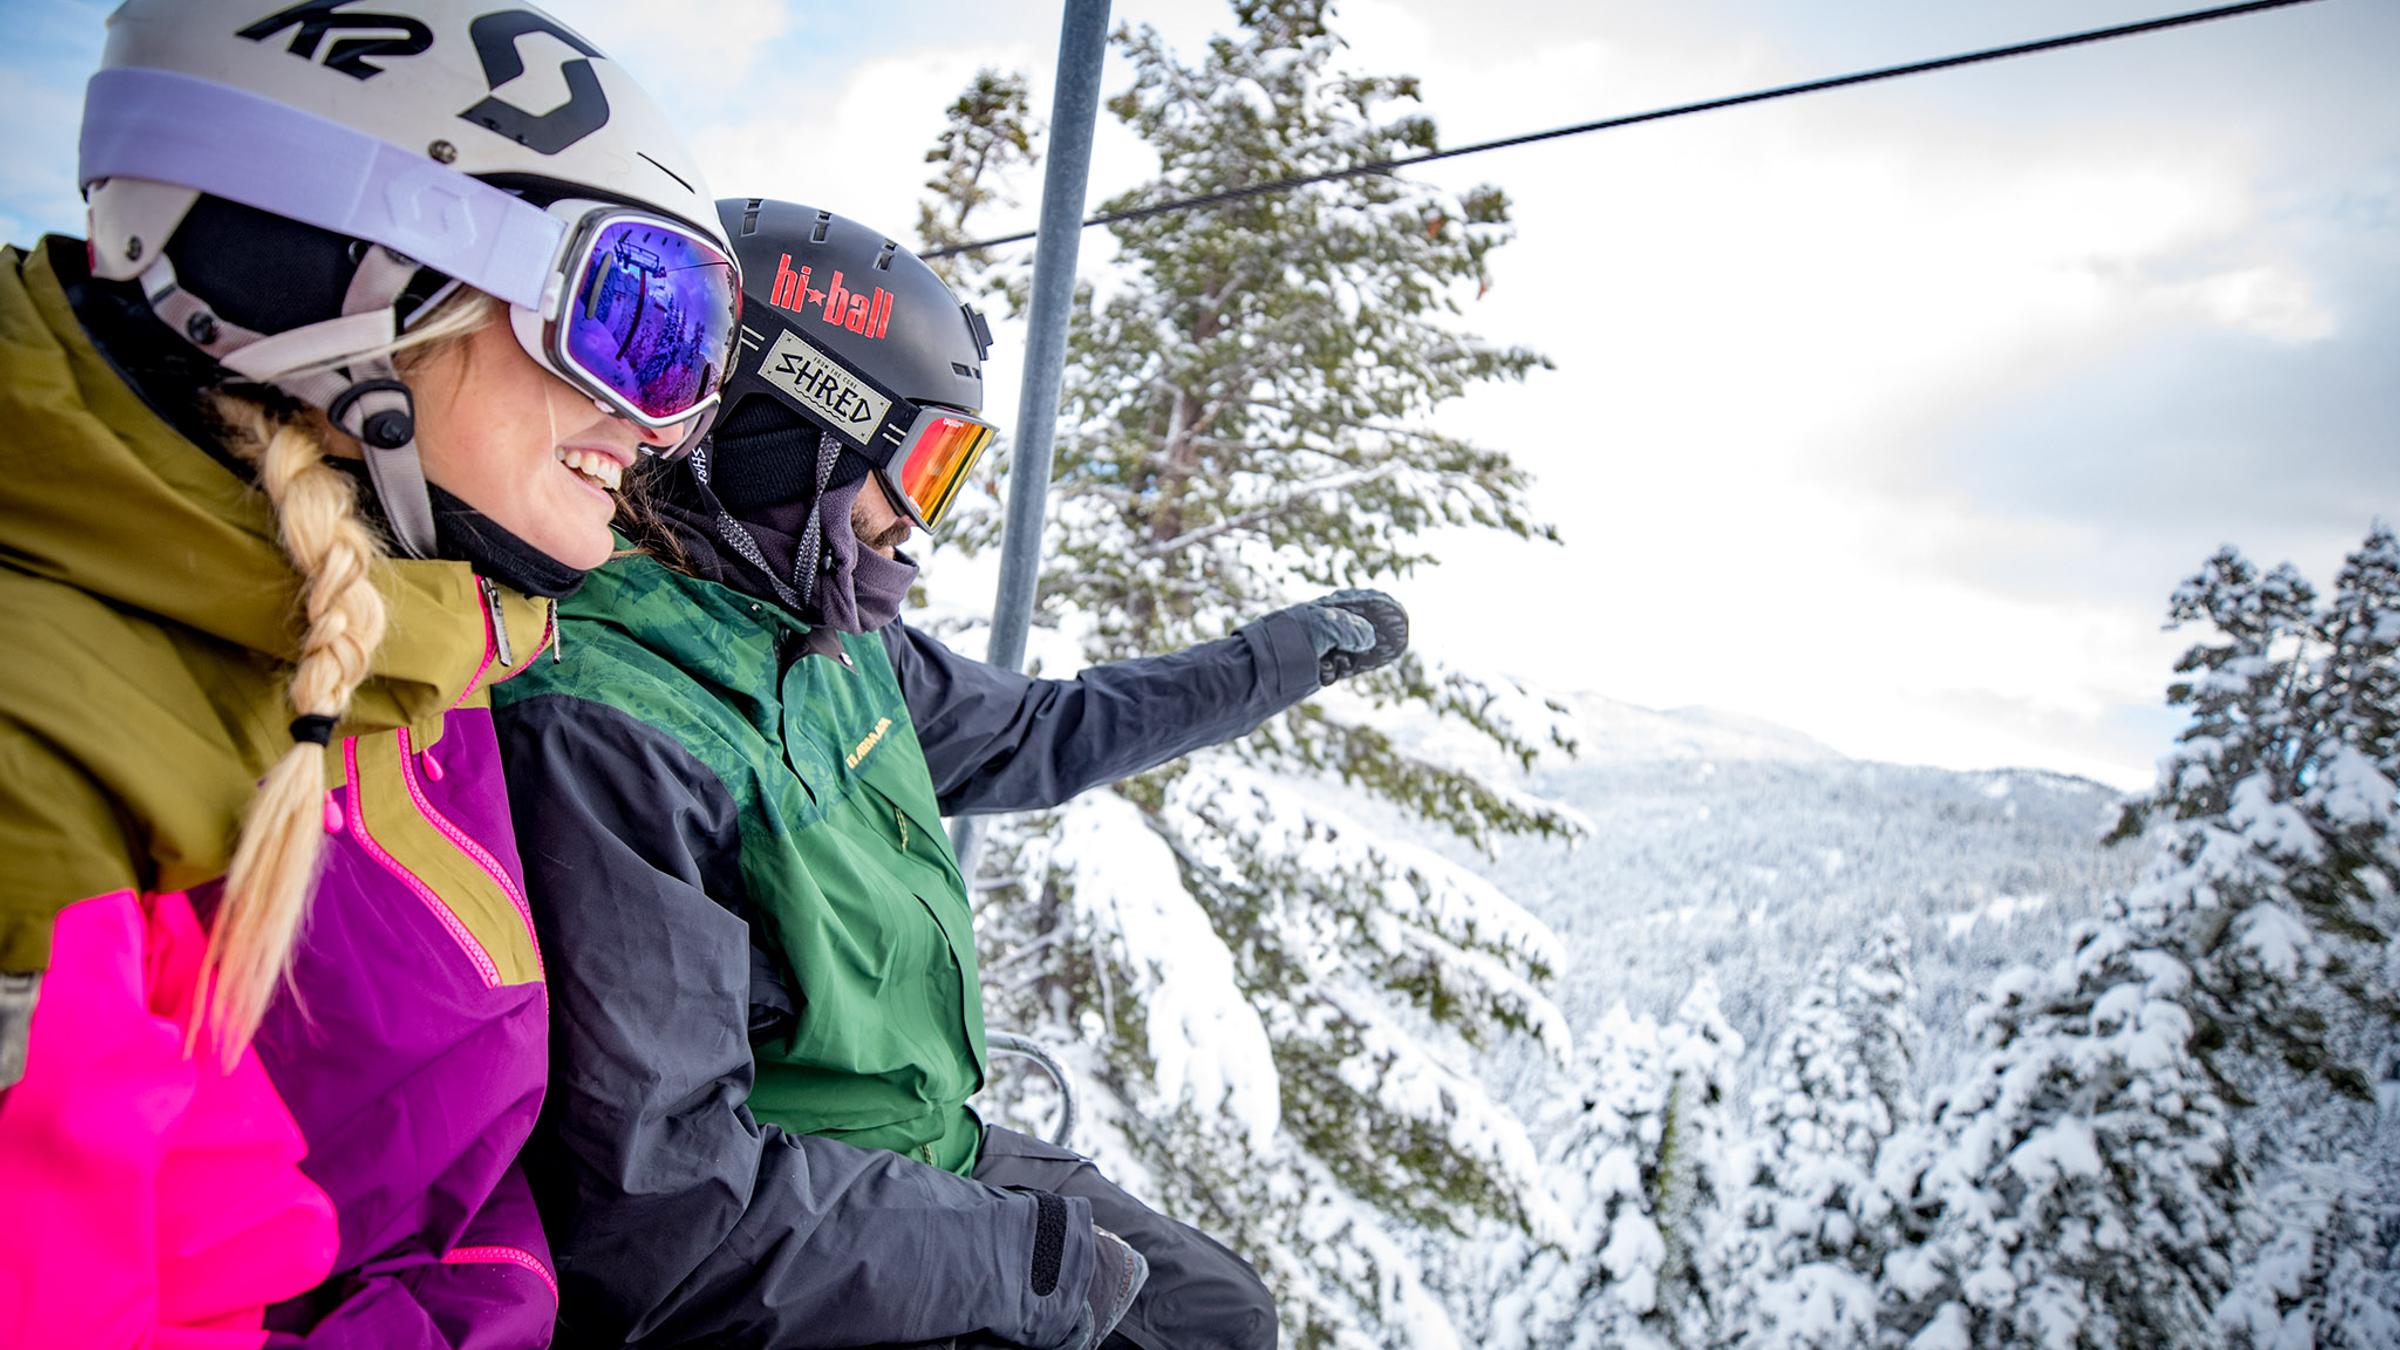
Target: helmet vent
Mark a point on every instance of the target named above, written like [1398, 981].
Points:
[824, 223]
[969, 372]
[750, 216]
[883, 260]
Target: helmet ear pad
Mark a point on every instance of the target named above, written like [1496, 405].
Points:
[763, 458]
[268, 273]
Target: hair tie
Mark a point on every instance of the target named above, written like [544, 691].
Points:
[313, 728]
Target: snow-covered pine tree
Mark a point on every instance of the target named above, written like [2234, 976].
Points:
[1697, 1172]
[1789, 1267]
[2298, 966]
[2281, 792]
[1642, 1168]
[1879, 999]
[1272, 1004]
[2325, 1272]
[2088, 1189]
[2081, 1193]
[1601, 1288]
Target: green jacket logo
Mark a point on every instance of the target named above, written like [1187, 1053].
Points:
[866, 747]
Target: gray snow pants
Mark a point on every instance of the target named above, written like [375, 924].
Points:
[1200, 1295]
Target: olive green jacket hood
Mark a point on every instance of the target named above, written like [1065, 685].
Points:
[151, 620]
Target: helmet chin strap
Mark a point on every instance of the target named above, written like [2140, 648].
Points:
[380, 413]
[363, 396]
[737, 536]
[810, 562]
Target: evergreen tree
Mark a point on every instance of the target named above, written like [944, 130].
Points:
[2089, 1188]
[2083, 1186]
[2305, 980]
[1697, 1172]
[1602, 1287]
[1792, 1267]
[1879, 1001]
[2327, 1274]
[1273, 1003]
[987, 136]
[1642, 1166]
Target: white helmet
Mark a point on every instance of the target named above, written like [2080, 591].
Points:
[402, 123]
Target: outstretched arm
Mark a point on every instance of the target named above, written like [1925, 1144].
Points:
[999, 741]
[676, 1216]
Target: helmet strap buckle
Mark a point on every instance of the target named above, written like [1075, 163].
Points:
[380, 413]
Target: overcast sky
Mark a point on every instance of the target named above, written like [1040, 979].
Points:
[1890, 414]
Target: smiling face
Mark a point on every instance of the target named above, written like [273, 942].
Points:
[524, 447]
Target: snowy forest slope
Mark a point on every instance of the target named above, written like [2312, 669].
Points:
[1722, 845]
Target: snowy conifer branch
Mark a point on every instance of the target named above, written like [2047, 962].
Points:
[1296, 500]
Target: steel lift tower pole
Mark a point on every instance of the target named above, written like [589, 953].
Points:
[1074, 111]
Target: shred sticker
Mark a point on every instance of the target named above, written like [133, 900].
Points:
[823, 386]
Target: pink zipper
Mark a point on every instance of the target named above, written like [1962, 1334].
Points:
[466, 844]
[458, 930]
[512, 1256]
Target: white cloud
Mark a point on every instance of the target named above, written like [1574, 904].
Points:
[1765, 323]
[2272, 301]
[855, 148]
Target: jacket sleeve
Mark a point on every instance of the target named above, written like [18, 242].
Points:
[999, 741]
[676, 1217]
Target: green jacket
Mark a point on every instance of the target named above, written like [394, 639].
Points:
[850, 881]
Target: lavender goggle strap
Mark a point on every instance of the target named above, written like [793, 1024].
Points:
[230, 143]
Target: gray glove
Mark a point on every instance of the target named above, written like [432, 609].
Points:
[1353, 632]
[1117, 1275]
[1118, 1272]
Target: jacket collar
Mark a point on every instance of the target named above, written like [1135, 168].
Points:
[103, 495]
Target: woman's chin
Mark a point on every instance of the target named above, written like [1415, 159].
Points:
[587, 550]
[579, 539]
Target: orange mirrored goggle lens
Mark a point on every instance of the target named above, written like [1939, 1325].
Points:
[942, 448]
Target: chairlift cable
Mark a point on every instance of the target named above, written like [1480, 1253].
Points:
[1384, 166]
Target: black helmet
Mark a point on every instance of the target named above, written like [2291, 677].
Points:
[845, 333]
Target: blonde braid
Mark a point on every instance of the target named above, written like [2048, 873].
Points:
[335, 552]
[275, 861]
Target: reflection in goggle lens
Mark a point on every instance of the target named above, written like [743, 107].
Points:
[937, 460]
[653, 317]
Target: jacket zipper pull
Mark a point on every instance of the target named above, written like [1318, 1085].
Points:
[491, 601]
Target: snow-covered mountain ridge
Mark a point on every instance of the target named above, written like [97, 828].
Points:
[1725, 844]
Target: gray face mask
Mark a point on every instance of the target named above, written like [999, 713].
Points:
[878, 587]
[815, 552]
[810, 551]
[858, 590]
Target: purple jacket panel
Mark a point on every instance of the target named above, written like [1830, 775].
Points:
[413, 1067]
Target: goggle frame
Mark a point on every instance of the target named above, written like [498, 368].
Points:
[543, 333]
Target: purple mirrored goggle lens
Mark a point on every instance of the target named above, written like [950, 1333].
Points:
[652, 318]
